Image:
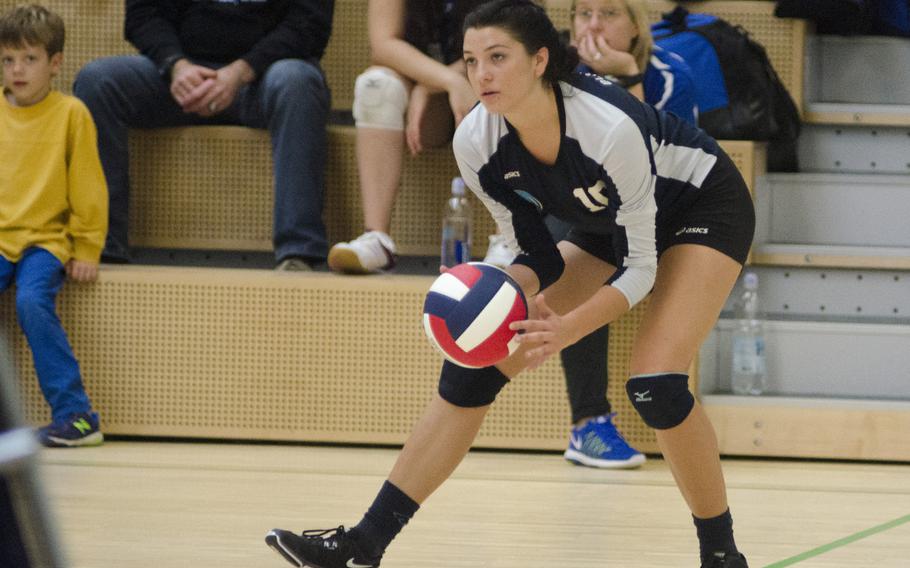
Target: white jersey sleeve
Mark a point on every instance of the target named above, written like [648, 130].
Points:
[609, 136]
[473, 144]
[627, 160]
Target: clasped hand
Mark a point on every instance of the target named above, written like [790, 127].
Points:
[204, 91]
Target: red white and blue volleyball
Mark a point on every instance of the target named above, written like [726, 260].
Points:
[467, 314]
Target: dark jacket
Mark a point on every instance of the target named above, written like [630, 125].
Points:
[257, 31]
[434, 26]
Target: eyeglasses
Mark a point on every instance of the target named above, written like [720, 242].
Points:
[587, 14]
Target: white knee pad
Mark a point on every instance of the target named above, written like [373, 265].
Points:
[380, 99]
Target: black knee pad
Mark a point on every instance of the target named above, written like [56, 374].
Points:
[470, 388]
[663, 400]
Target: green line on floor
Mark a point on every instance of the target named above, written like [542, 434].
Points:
[841, 542]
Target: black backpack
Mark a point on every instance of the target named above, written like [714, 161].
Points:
[739, 95]
[848, 17]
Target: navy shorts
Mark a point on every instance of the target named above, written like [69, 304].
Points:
[721, 217]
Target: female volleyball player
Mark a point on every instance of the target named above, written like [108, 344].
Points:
[653, 203]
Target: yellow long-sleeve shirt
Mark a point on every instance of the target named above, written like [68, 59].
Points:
[52, 189]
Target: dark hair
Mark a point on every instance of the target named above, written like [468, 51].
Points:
[32, 25]
[529, 24]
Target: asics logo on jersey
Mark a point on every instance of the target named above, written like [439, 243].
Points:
[512, 174]
[643, 396]
[692, 230]
[351, 564]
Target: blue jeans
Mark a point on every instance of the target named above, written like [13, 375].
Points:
[38, 276]
[291, 100]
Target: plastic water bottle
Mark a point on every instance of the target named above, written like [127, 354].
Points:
[456, 227]
[749, 373]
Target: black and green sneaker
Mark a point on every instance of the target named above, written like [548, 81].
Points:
[76, 430]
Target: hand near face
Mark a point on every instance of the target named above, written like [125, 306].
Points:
[597, 54]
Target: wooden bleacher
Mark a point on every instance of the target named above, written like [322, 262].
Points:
[257, 355]
[227, 167]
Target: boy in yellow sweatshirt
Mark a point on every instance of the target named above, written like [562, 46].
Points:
[53, 210]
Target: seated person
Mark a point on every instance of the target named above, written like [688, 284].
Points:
[613, 38]
[254, 64]
[416, 94]
[53, 210]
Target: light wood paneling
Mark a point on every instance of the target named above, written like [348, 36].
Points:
[832, 256]
[862, 117]
[263, 355]
[811, 428]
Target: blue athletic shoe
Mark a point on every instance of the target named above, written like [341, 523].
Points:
[77, 430]
[599, 444]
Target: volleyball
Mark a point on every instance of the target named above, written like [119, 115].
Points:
[467, 313]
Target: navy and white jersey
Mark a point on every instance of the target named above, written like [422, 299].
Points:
[668, 84]
[622, 168]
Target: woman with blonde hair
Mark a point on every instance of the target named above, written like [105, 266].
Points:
[613, 38]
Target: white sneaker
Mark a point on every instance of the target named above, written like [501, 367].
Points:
[373, 251]
[498, 254]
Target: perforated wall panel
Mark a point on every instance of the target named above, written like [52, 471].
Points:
[201, 187]
[211, 187]
[261, 355]
[348, 51]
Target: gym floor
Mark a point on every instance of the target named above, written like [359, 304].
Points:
[138, 504]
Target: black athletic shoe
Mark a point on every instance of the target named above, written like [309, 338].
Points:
[723, 560]
[329, 548]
